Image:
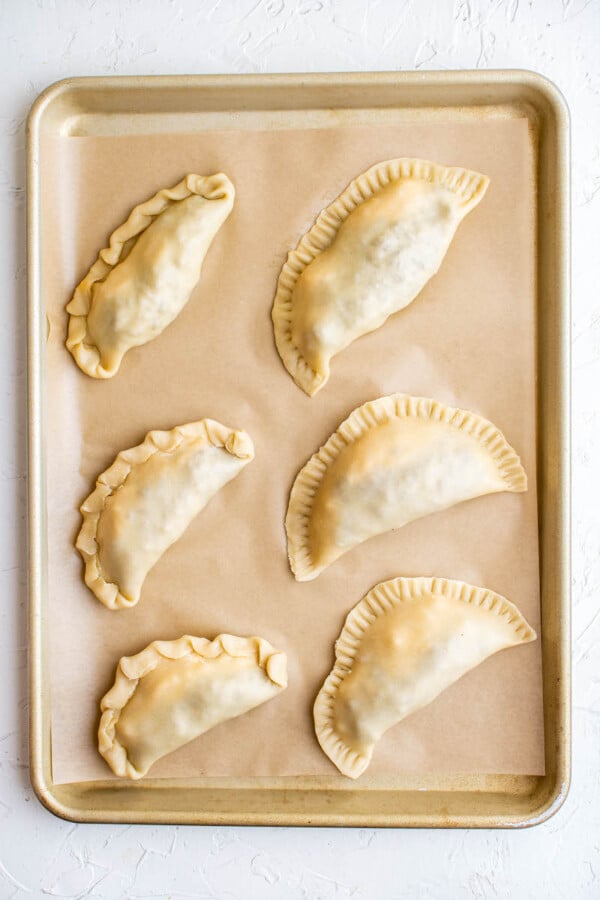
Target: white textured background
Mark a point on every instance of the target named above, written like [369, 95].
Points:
[45, 40]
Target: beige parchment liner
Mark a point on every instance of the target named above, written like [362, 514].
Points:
[467, 340]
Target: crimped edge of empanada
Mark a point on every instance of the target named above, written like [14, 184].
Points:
[79, 343]
[385, 596]
[210, 432]
[469, 185]
[370, 415]
[131, 669]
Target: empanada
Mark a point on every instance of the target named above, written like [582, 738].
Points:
[147, 498]
[144, 278]
[366, 257]
[174, 691]
[405, 642]
[391, 461]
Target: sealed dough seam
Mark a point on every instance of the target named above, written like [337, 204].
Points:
[211, 187]
[370, 415]
[470, 186]
[207, 431]
[382, 598]
[132, 668]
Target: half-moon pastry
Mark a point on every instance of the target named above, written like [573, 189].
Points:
[147, 498]
[391, 461]
[174, 691]
[144, 278]
[367, 256]
[405, 642]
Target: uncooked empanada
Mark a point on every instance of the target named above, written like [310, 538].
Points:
[393, 460]
[405, 642]
[147, 498]
[174, 691]
[366, 257]
[144, 278]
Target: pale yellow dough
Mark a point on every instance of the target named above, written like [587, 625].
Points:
[144, 278]
[391, 461]
[174, 691]
[147, 498]
[367, 256]
[405, 642]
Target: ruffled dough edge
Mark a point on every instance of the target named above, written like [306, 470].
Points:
[469, 185]
[383, 597]
[131, 669]
[370, 415]
[208, 431]
[85, 353]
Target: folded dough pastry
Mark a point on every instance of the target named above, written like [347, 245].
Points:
[391, 461]
[366, 257]
[144, 278]
[405, 642]
[147, 498]
[174, 691]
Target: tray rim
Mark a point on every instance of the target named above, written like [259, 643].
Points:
[553, 788]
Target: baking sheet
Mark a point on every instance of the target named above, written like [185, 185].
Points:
[467, 340]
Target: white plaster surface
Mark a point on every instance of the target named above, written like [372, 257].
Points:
[45, 40]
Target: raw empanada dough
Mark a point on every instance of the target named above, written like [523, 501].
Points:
[405, 642]
[144, 278]
[366, 257]
[147, 498]
[174, 691]
[391, 461]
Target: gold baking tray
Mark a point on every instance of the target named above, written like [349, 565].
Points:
[112, 106]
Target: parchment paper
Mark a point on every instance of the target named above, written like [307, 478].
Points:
[468, 340]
